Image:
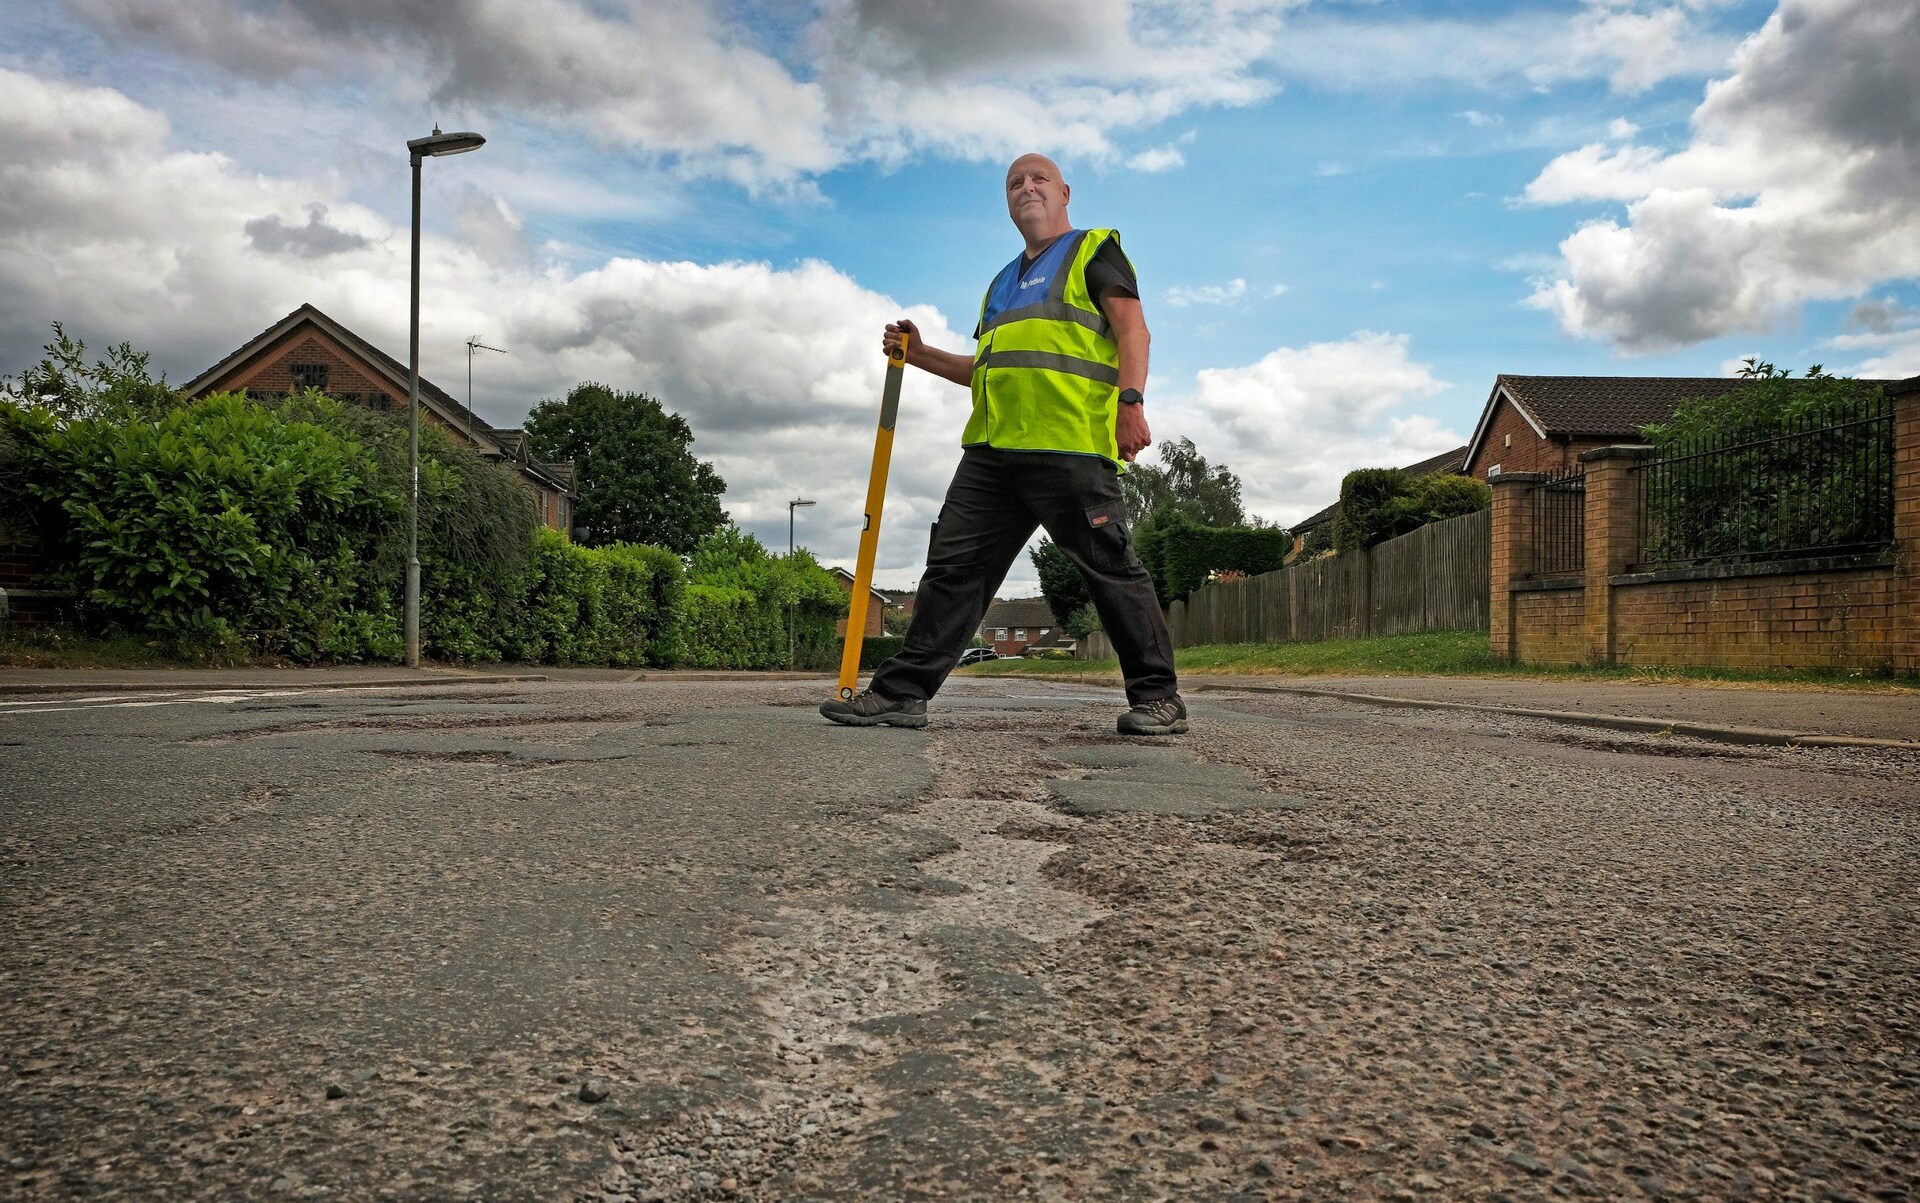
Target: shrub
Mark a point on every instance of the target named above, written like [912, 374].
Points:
[1377, 504]
[1761, 494]
[1180, 553]
[740, 601]
[622, 604]
[875, 650]
[213, 525]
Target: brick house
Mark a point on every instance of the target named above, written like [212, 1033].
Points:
[308, 349]
[1543, 423]
[1011, 627]
[876, 607]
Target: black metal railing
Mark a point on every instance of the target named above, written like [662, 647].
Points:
[1819, 484]
[1559, 525]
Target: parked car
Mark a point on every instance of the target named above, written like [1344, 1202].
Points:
[975, 655]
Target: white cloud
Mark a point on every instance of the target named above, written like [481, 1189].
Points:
[1478, 119]
[1207, 294]
[778, 370]
[1633, 44]
[1293, 423]
[1158, 158]
[685, 82]
[1801, 182]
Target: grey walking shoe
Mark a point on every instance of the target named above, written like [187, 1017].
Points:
[869, 709]
[1162, 716]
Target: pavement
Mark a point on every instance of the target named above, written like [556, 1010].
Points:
[676, 940]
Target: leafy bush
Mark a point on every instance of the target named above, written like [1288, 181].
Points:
[1082, 621]
[1758, 493]
[118, 388]
[477, 526]
[622, 604]
[740, 600]
[216, 524]
[1180, 553]
[1377, 504]
[876, 650]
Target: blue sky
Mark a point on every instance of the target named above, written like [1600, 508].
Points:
[1347, 217]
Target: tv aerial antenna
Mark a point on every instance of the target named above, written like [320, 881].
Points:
[474, 344]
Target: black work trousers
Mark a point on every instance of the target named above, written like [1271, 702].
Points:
[996, 500]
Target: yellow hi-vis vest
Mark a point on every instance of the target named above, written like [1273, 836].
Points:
[1046, 374]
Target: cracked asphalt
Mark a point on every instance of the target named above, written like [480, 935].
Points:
[683, 940]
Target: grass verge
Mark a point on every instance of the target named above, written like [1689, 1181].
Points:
[1443, 653]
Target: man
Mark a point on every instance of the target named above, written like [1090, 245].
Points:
[1057, 385]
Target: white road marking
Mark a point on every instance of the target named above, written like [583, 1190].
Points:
[218, 697]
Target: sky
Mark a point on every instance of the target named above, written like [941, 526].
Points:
[1347, 216]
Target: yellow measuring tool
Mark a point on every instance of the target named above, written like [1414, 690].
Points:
[870, 533]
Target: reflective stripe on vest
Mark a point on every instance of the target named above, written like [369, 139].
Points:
[1046, 371]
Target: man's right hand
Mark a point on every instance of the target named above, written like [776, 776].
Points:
[890, 344]
[944, 364]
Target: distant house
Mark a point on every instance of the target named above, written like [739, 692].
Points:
[308, 349]
[1303, 530]
[1011, 627]
[876, 606]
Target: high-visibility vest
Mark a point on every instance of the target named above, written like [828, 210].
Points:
[1046, 374]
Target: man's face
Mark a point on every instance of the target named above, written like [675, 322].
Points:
[1036, 195]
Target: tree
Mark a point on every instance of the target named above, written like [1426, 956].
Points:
[119, 388]
[639, 480]
[1184, 483]
[1060, 580]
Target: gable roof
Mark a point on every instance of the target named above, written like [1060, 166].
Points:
[847, 582]
[1602, 407]
[1029, 612]
[1446, 461]
[510, 445]
[431, 395]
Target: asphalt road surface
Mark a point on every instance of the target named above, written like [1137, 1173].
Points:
[671, 941]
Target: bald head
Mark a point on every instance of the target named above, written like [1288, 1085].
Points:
[1037, 200]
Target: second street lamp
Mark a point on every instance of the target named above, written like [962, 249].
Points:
[431, 146]
[793, 505]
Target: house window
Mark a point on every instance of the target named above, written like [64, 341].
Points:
[1020, 634]
[999, 634]
[1493, 471]
[379, 401]
[309, 375]
[349, 398]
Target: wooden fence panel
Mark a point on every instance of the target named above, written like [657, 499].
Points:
[1434, 579]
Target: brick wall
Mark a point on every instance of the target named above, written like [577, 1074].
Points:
[1848, 613]
[1844, 619]
[1549, 626]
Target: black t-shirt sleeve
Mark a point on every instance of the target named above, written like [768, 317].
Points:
[1110, 273]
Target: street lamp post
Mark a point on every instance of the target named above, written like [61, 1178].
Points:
[433, 145]
[793, 505]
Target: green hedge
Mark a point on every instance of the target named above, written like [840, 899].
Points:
[623, 604]
[876, 650]
[1377, 504]
[1180, 553]
[746, 607]
[228, 525]
[216, 525]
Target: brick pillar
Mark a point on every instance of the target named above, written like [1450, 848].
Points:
[1512, 556]
[1613, 529]
[1905, 642]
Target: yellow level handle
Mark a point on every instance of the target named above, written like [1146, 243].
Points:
[870, 533]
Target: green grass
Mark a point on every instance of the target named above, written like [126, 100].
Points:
[1444, 653]
[57, 647]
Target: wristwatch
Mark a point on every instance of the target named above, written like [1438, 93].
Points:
[1131, 396]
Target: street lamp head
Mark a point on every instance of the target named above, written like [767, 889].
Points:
[437, 143]
[798, 501]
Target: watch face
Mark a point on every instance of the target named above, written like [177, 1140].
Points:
[1131, 396]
